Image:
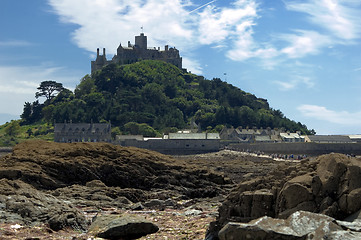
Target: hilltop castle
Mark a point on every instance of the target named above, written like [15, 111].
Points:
[138, 51]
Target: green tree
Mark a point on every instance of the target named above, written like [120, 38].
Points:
[27, 111]
[48, 113]
[49, 89]
[147, 131]
[132, 128]
[247, 117]
[115, 131]
[86, 86]
[36, 114]
[32, 112]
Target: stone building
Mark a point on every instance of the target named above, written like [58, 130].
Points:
[138, 51]
[82, 132]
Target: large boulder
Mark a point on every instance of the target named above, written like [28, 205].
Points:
[124, 226]
[22, 203]
[298, 194]
[329, 184]
[59, 165]
[299, 225]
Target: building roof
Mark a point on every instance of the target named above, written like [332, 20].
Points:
[72, 127]
[263, 138]
[290, 135]
[193, 136]
[355, 136]
[248, 131]
[213, 136]
[330, 138]
[187, 136]
[127, 137]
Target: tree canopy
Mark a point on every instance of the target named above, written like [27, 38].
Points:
[154, 96]
[49, 89]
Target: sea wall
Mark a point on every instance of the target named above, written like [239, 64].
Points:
[311, 149]
[175, 146]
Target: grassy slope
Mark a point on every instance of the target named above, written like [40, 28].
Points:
[39, 131]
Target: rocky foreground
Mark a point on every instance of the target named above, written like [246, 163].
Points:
[72, 186]
[329, 185]
[87, 190]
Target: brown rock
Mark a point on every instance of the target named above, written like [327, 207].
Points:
[121, 227]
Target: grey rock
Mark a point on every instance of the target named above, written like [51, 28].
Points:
[300, 225]
[137, 206]
[353, 226]
[155, 204]
[343, 235]
[24, 204]
[121, 227]
[192, 212]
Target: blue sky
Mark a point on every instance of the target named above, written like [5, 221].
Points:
[303, 56]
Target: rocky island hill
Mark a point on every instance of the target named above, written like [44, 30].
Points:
[145, 98]
[52, 190]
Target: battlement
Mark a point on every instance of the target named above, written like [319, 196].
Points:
[137, 52]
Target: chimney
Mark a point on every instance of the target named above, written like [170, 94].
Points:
[104, 52]
[97, 52]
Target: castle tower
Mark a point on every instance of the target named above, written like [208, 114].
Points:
[137, 52]
[99, 62]
[141, 41]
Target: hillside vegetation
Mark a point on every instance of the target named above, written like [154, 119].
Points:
[152, 97]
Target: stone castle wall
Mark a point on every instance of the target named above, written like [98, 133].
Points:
[137, 52]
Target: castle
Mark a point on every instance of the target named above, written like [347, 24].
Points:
[138, 51]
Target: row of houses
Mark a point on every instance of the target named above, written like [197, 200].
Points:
[82, 132]
[189, 141]
[101, 132]
[254, 135]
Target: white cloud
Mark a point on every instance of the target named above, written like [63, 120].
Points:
[339, 18]
[18, 84]
[193, 65]
[304, 43]
[15, 43]
[294, 82]
[105, 23]
[216, 25]
[339, 22]
[230, 28]
[324, 114]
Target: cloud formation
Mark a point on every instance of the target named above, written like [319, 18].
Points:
[14, 90]
[327, 115]
[15, 43]
[178, 23]
[229, 27]
[295, 81]
[338, 18]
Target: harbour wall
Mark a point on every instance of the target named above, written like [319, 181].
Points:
[310, 148]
